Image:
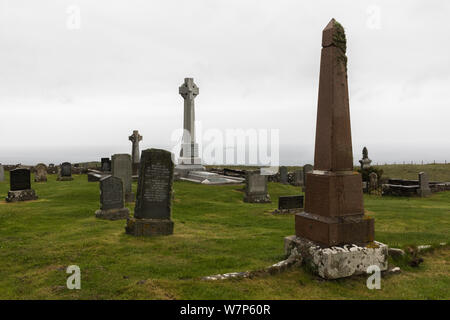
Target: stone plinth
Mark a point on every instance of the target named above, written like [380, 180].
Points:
[149, 227]
[338, 261]
[21, 195]
[113, 214]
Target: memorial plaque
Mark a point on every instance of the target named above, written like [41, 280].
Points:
[20, 179]
[111, 193]
[66, 169]
[154, 194]
[290, 202]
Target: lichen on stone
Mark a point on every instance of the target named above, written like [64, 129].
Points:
[340, 41]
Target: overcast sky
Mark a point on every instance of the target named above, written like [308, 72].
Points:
[75, 92]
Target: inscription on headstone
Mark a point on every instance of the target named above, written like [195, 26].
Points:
[20, 186]
[20, 179]
[154, 185]
[111, 193]
[290, 202]
[111, 199]
[154, 195]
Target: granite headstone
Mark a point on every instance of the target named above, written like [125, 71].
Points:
[20, 186]
[152, 213]
[111, 199]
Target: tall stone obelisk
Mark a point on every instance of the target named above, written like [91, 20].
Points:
[135, 138]
[189, 158]
[334, 211]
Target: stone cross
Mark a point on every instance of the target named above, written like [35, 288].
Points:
[135, 138]
[189, 91]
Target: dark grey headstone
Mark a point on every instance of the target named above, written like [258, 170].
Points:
[111, 193]
[283, 175]
[154, 193]
[66, 169]
[20, 179]
[307, 168]
[2, 173]
[290, 202]
[106, 165]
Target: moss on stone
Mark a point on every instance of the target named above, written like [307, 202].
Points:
[340, 41]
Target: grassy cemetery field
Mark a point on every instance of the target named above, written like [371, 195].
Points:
[215, 232]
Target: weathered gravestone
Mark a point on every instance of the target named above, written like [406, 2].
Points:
[122, 168]
[135, 138]
[2, 173]
[298, 178]
[289, 204]
[373, 182]
[332, 234]
[41, 173]
[111, 199]
[307, 168]
[152, 213]
[65, 172]
[20, 186]
[105, 165]
[283, 175]
[256, 187]
[52, 169]
[424, 185]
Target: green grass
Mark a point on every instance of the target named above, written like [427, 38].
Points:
[215, 232]
[436, 172]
